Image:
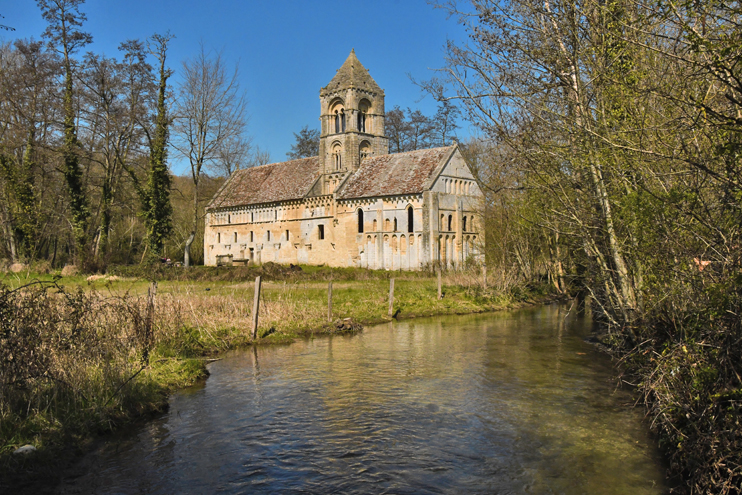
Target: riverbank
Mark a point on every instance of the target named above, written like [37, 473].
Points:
[92, 354]
[507, 402]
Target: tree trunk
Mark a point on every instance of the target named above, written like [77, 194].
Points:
[194, 228]
[9, 235]
[187, 254]
[626, 291]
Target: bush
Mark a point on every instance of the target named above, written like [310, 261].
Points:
[67, 359]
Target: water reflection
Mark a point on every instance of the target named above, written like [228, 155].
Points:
[499, 403]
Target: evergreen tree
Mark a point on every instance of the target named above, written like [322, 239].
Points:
[306, 145]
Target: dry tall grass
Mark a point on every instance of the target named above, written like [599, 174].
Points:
[66, 361]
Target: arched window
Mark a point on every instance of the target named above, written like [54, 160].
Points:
[360, 221]
[440, 225]
[363, 108]
[337, 115]
[269, 236]
[450, 222]
[375, 225]
[395, 224]
[218, 237]
[386, 225]
[410, 219]
[337, 156]
[365, 150]
[229, 218]
[463, 225]
[235, 237]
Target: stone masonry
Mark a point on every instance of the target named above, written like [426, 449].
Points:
[354, 204]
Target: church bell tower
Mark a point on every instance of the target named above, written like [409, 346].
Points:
[352, 122]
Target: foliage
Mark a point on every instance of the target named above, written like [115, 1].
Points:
[306, 145]
[610, 161]
[67, 191]
[69, 364]
[157, 210]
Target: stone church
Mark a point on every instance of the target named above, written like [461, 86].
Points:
[354, 204]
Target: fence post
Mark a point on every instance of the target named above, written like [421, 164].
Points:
[255, 306]
[148, 322]
[391, 298]
[329, 301]
[440, 289]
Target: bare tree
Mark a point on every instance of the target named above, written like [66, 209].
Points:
[210, 112]
[233, 154]
[258, 157]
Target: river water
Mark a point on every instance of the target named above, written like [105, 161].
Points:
[511, 402]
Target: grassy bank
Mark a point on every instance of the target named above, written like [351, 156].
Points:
[84, 355]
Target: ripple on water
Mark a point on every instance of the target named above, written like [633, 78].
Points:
[504, 403]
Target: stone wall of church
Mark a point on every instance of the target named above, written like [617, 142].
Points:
[371, 233]
[290, 232]
[385, 239]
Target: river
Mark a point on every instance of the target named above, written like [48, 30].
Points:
[510, 402]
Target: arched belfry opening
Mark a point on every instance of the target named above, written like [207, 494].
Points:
[337, 116]
[364, 123]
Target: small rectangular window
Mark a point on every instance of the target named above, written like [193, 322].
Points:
[287, 235]
[251, 236]
[269, 235]
[235, 237]
[321, 232]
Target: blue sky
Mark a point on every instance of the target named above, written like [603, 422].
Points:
[286, 49]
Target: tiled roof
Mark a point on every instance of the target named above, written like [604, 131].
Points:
[268, 183]
[397, 174]
[352, 74]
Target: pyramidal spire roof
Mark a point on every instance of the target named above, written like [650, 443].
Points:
[352, 74]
